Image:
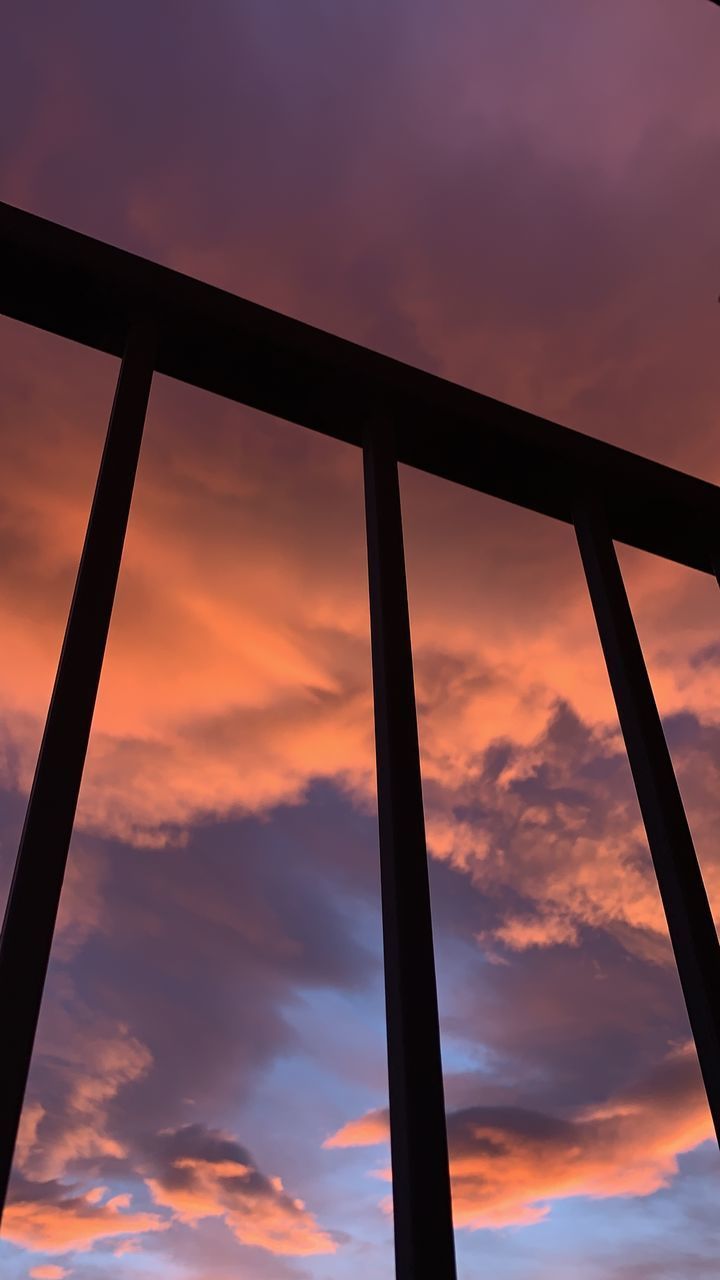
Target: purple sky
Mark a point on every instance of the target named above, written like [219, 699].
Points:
[523, 197]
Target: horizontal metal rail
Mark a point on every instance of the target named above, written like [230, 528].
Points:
[91, 292]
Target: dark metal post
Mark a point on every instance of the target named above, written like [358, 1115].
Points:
[37, 882]
[689, 918]
[424, 1241]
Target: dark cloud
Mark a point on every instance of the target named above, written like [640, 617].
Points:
[202, 949]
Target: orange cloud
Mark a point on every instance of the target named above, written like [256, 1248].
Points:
[555, 822]
[509, 1165]
[233, 681]
[49, 1272]
[91, 1067]
[194, 1172]
[73, 1222]
[366, 1131]
[216, 1178]
[95, 1066]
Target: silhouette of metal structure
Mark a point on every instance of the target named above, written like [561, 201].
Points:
[156, 319]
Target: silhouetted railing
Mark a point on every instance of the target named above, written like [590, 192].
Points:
[157, 319]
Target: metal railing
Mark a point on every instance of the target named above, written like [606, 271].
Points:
[156, 319]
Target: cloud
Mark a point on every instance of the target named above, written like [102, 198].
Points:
[48, 1217]
[195, 1172]
[363, 1132]
[550, 832]
[79, 1078]
[202, 1173]
[80, 1067]
[510, 1164]
[254, 929]
[271, 657]
[49, 1272]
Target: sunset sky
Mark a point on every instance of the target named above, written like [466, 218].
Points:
[521, 196]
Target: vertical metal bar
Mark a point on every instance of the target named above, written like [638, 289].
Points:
[37, 882]
[690, 921]
[424, 1242]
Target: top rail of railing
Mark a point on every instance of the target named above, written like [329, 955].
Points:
[91, 292]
